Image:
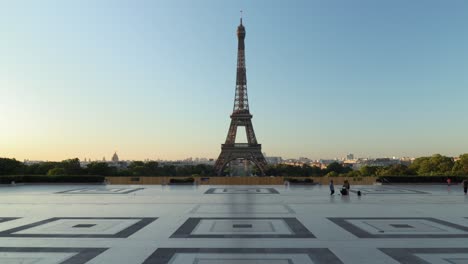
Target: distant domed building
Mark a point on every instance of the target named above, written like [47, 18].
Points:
[115, 158]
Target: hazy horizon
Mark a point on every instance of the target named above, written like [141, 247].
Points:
[108, 158]
[156, 79]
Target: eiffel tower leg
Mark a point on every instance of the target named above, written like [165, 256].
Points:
[250, 133]
[221, 162]
[250, 153]
[260, 162]
[231, 137]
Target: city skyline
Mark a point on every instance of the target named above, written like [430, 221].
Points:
[109, 158]
[156, 80]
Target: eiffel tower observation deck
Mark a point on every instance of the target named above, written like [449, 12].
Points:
[241, 117]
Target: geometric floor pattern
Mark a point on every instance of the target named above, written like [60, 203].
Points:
[238, 227]
[6, 219]
[101, 191]
[242, 256]
[387, 190]
[244, 190]
[89, 227]
[428, 255]
[400, 227]
[135, 224]
[48, 255]
[242, 208]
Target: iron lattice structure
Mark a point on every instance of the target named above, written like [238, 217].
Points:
[241, 117]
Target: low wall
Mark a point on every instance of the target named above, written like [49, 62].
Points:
[240, 180]
[340, 180]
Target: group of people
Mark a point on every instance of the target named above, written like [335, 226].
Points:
[344, 190]
[464, 183]
[346, 186]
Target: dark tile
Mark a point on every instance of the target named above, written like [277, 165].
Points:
[401, 226]
[241, 226]
[85, 191]
[84, 225]
[297, 228]
[317, 255]
[388, 190]
[250, 208]
[83, 255]
[143, 221]
[6, 219]
[361, 233]
[242, 191]
[409, 255]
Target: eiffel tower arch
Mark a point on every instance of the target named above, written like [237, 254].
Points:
[241, 117]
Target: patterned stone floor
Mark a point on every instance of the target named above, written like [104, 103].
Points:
[95, 224]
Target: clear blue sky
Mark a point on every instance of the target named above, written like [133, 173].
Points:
[156, 79]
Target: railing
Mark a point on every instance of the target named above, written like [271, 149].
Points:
[241, 145]
[240, 180]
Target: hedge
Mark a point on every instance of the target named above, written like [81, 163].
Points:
[420, 179]
[51, 179]
[181, 181]
[305, 181]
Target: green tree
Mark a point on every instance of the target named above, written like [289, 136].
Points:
[136, 163]
[271, 170]
[434, 165]
[461, 166]
[71, 167]
[137, 168]
[443, 164]
[138, 171]
[101, 169]
[369, 170]
[184, 170]
[395, 170]
[10, 166]
[169, 170]
[40, 168]
[151, 168]
[338, 168]
[124, 172]
[56, 172]
[353, 173]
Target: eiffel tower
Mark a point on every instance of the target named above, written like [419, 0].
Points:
[251, 151]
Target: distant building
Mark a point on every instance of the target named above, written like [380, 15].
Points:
[273, 160]
[115, 158]
[350, 156]
[350, 162]
[317, 164]
[379, 162]
[31, 162]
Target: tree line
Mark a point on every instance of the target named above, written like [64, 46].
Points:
[435, 165]
[424, 166]
[71, 167]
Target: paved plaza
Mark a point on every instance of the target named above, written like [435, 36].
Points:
[95, 224]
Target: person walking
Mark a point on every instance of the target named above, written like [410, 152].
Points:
[332, 188]
[449, 181]
[465, 185]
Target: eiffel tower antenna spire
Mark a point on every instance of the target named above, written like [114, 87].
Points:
[241, 116]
